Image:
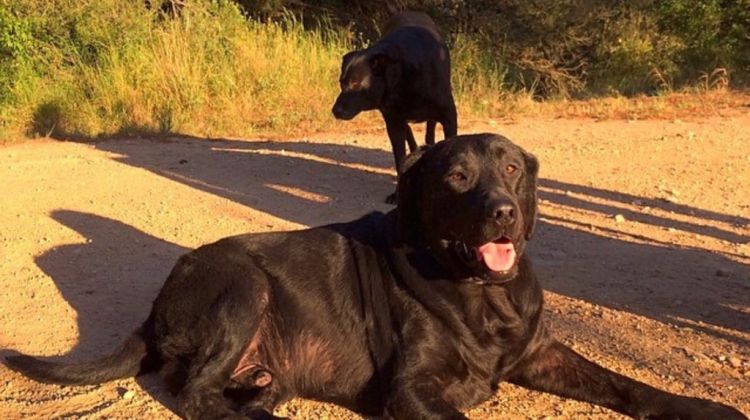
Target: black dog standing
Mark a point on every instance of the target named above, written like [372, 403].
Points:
[415, 314]
[407, 76]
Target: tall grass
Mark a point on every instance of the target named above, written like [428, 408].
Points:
[126, 69]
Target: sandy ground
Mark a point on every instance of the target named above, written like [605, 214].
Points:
[644, 247]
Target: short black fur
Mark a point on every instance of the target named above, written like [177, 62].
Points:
[406, 76]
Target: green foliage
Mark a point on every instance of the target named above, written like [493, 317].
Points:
[221, 67]
[573, 48]
[100, 67]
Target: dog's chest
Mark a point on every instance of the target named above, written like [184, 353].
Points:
[497, 334]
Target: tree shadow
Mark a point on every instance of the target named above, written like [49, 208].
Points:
[559, 193]
[677, 286]
[301, 182]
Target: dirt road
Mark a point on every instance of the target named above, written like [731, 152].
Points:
[644, 247]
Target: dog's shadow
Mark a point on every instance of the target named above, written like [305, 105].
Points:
[110, 281]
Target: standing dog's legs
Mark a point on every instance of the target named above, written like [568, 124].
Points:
[556, 369]
[410, 139]
[449, 120]
[429, 134]
[397, 134]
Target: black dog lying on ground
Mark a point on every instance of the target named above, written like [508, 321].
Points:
[419, 313]
[407, 76]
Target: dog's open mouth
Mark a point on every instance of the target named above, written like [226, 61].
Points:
[499, 255]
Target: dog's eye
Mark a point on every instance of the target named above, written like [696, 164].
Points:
[510, 169]
[457, 176]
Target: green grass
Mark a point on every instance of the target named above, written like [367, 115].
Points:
[125, 69]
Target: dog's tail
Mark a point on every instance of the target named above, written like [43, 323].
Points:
[136, 356]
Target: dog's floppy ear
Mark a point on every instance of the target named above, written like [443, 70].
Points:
[528, 193]
[384, 62]
[347, 59]
[407, 196]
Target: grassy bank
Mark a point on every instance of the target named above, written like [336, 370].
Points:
[102, 67]
[90, 68]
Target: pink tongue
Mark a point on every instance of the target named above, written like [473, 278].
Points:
[498, 257]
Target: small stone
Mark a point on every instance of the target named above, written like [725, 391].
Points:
[128, 395]
[735, 362]
[721, 273]
[722, 358]
[568, 193]
[671, 230]
[619, 218]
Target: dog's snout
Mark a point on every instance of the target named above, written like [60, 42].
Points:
[337, 110]
[502, 211]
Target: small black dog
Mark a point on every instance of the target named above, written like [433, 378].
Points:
[416, 314]
[407, 76]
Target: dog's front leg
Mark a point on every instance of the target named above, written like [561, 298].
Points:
[397, 134]
[418, 398]
[557, 369]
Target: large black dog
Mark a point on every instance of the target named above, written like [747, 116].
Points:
[407, 76]
[415, 314]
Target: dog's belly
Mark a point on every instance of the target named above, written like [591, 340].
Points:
[310, 365]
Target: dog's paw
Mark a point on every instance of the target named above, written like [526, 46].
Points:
[261, 414]
[685, 408]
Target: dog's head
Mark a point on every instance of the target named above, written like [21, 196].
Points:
[365, 75]
[472, 201]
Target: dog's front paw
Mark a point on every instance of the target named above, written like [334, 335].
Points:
[261, 414]
[685, 408]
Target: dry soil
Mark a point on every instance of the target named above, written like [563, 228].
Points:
[643, 247]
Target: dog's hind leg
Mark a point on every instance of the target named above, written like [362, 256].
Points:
[263, 403]
[429, 134]
[229, 327]
[449, 121]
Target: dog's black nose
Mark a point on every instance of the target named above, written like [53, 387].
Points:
[338, 111]
[503, 212]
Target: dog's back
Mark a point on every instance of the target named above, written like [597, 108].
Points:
[405, 19]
